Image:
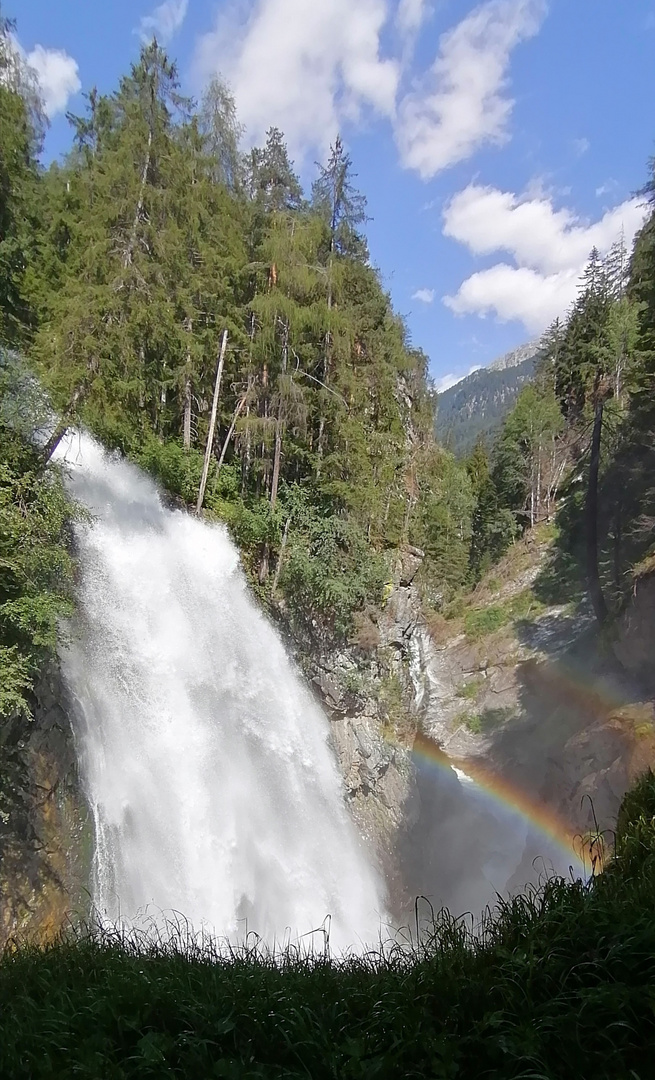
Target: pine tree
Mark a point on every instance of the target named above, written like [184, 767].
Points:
[270, 179]
[21, 122]
[222, 134]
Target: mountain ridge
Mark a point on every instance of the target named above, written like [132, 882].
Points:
[476, 405]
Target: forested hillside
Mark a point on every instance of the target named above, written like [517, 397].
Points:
[126, 268]
[578, 445]
[475, 407]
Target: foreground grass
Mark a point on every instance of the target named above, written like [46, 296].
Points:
[561, 983]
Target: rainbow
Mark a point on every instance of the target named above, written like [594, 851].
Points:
[510, 797]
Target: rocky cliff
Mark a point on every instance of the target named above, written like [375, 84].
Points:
[521, 691]
[506, 688]
[45, 833]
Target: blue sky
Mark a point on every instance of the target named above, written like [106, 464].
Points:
[496, 142]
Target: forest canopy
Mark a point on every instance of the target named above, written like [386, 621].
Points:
[123, 267]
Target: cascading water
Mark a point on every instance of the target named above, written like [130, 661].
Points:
[206, 762]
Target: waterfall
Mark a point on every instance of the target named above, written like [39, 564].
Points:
[205, 760]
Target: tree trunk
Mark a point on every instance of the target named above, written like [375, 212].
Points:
[279, 424]
[230, 433]
[212, 424]
[319, 448]
[591, 519]
[276, 462]
[618, 537]
[285, 536]
[62, 425]
[186, 429]
[187, 414]
[539, 485]
[127, 259]
[245, 461]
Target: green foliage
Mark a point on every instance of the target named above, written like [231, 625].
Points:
[21, 125]
[176, 469]
[595, 373]
[155, 236]
[330, 571]
[480, 622]
[635, 829]
[15, 681]
[479, 723]
[447, 523]
[389, 691]
[557, 982]
[472, 721]
[36, 569]
[469, 690]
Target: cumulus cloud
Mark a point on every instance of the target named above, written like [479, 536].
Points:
[426, 296]
[57, 75]
[532, 229]
[462, 103]
[164, 22]
[411, 15]
[446, 381]
[549, 247]
[510, 292]
[304, 67]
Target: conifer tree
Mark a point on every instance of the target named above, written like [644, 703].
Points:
[21, 124]
[270, 179]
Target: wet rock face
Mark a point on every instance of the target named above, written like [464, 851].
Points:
[554, 714]
[46, 838]
[369, 696]
[635, 640]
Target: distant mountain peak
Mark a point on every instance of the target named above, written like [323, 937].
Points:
[515, 357]
[476, 406]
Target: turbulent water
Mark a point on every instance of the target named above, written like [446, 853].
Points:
[206, 762]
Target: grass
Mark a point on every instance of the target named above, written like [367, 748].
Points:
[469, 690]
[478, 723]
[472, 721]
[559, 983]
[480, 622]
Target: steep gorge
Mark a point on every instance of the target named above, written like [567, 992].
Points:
[557, 725]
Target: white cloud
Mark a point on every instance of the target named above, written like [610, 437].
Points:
[164, 22]
[411, 15]
[57, 75]
[581, 147]
[607, 188]
[531, 229]
[462, 103]
[510, 292]
[446, 381]
[550, 247]
[426, 296]
[302, 66]
[306, 67]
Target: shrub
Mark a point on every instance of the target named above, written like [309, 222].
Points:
[469, 690]
[331, 573]
[483, 621]
[366, 635]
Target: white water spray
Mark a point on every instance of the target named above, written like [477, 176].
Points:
[206, 762]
